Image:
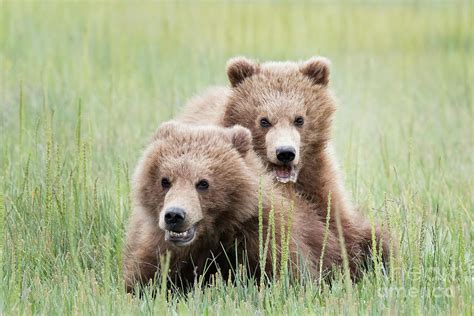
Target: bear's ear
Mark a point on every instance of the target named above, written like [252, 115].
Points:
[241, 139]
[240, 68]
[317, 69]
[166, 130]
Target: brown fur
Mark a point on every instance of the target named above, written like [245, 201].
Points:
[280, 91]
[229, 208]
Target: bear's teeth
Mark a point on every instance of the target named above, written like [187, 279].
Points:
[179, 235]
[285, 174]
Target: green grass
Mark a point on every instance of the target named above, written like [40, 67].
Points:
[83, 85]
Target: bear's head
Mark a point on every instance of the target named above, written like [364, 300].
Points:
[196, 183]
[286, 105]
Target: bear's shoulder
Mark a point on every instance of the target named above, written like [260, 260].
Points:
[207, 107]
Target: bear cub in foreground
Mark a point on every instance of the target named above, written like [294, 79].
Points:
[196, 195]
[289, 107]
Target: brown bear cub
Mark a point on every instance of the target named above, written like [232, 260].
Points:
[288, 107]
[197, 192]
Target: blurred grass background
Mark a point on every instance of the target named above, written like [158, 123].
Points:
[83, 85]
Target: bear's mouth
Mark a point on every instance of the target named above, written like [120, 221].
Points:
[285, 173]
[181, 238]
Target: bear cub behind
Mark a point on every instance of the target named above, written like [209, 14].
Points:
[289, 109]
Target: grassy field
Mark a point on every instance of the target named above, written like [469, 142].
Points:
[83, 85]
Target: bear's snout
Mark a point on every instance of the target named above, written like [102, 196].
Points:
[174, 216]
[283, 146]
[286, 154]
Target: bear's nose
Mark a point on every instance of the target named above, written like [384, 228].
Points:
[174, 216]
[285, 154]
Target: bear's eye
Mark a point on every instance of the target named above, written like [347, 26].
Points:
[264, 122]
[165, 183]
[299, 121]
[202, 185]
